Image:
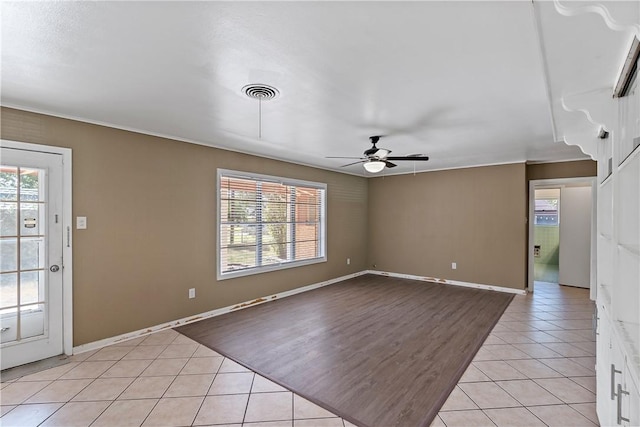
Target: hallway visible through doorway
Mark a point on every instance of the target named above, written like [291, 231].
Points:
[562, 234]
[546, 235]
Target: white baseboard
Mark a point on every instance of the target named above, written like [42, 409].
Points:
[217, 312]
[449, 282]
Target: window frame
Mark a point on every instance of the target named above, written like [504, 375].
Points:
[271, 267]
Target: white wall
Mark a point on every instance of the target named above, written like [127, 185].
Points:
[575, 236]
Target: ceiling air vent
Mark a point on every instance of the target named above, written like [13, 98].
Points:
[260, 92]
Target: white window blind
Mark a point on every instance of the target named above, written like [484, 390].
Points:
[267, 223]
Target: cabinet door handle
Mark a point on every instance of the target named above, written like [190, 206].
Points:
[620, 393]
[614, 371]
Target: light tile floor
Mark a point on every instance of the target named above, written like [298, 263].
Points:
[535, 369]
[546, 272]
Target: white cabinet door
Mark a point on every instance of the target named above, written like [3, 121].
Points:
[617, 373]
[630, 405]
[604, 401]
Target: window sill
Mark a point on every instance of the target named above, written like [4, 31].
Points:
[269, 268]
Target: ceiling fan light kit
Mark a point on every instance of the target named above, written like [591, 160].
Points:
[374, 166]
[376, 159]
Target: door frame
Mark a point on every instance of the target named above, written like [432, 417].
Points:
[67, 224]
[559, 183]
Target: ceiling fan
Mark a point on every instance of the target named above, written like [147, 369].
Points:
[375, 159]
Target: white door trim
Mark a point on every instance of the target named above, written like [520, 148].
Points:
[558, 183]
[67, 223]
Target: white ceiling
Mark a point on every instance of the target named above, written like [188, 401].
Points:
[462, 82]
[585, 44]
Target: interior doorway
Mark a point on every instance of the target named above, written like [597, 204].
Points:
[562, 232]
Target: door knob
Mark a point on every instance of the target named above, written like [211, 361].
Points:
[54, 268]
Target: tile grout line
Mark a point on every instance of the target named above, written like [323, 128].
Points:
[64, 403]
[134, 379]
[215, 375]
[93, 381]
[174, 379]
[246, 407]
[127, 387]
[566, 340]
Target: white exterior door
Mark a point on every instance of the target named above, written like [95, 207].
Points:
[31, 240]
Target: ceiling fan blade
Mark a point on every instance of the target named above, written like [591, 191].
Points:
[416, 158]
[340, 157]
[354, 163]
[390, 165]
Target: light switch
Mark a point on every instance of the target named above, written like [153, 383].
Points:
[81, 223]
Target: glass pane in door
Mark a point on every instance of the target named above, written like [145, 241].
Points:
[23, 209]
[8, 218]
[9, 292]
[32, 255]
[31, 217]
[9, 254]
[30, 185]
[8, 183]
[31, 290]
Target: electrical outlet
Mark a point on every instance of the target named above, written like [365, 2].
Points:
[192, 293]
[348, 261]
[454, 265]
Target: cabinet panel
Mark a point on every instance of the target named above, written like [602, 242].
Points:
[628, 200]
[627, 291]
[628, 405]
[629, 116]
[605, 210]
[605, 268]
[604, 402]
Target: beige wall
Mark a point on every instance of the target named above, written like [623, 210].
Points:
[150, 204]
[562, 170]
[420, 224]
[151, 212]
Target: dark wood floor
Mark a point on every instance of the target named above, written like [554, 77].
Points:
[375, 350]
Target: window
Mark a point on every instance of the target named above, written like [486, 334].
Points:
[546, 212]
[268, 223]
